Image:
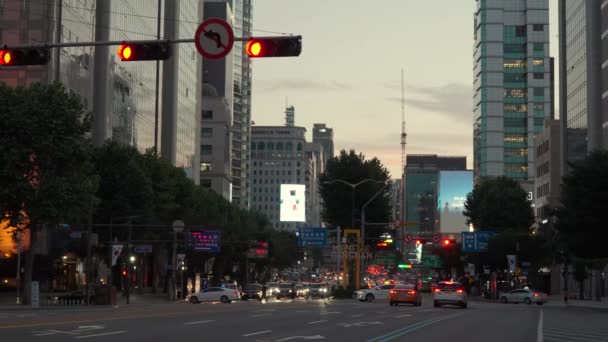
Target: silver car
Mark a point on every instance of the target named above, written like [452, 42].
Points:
[525, 295]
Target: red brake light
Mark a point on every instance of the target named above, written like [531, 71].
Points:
[393, 292]
[537, 295]
[411, 292]
[437, 290]
[459, 291]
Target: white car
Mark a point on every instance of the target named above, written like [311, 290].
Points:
[525, 295]
[380, 292]
[448, 292]
[214, 294]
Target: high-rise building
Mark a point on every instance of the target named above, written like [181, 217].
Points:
[604, 57]
[290, 116]
[280, 155]
[324, 135]
[512, 86]
[547, 181]
[132, 95]
[241, 130]
[581, 97]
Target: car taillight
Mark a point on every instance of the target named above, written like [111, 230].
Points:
[537, 295]
[437, 290]
[411, 292]
[460, 291]
[393, 292]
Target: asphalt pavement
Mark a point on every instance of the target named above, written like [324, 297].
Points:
[334, 320]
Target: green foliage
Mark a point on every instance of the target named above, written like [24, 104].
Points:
[341, 292]
[337, 197]
[44, 155]
[499, 204]
[584, 198]
[527, 247]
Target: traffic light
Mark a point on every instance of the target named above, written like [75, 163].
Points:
[419, 241]
[289, 46]
[25, 56]
[447, 242]
[124, 273]
[128, 52]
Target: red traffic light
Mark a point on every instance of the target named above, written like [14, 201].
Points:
[128, 52]
[25, 56]
[447, 242]
[419, 242]
[287, 46]
[124, 273]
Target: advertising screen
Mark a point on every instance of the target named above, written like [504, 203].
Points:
[454, 186]
[293, 203]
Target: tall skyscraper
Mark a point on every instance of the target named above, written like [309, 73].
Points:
[241, 129]
[321, 134]
[290, 116]
[583, 80]
[512, 86]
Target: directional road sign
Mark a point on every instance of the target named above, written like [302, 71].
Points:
[140, 249]
[312, 237]
[476, 241]
[214, 38]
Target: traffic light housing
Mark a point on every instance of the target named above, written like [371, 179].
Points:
[419, 241]
[128, 52]
[24, 56]
[448, 242]
[124, 273]
[288, 46]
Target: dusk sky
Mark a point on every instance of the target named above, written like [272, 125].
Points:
[348, 75]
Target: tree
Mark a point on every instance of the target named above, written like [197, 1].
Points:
[499, 204]
[45, 160]
[337, 197]
[584, 198]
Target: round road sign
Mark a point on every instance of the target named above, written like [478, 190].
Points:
[397, 223]
[214, 38]
[407, 238]
[437, 238]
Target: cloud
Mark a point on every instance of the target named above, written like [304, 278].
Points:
[452, 100]
[301, 85]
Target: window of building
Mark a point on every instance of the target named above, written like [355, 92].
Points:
[516, 92]
[206, 132]
[508, 77]
[515, 138]
[516, 122]
[206, 167]
[539, 107]
[538, 62]
[261, 146]
[514, 48]
[207, 115]
[288, 147]
[299, 147]
[516, 152]
[516, 168]
[514, 63]
[539, 91]
[538, 27]
[206, 150]
[270, 146]
[539, 75]
[515, 108]
[539, 121]
[539, 47]
[520, 31]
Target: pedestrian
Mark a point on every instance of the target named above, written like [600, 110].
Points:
[263, 299]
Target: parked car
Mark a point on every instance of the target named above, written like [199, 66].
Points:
[214, 294]
[405, 293]
[252, 291]
[448, 292]
[380, 292]
[526, 295]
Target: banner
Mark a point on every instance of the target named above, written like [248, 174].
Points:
[116, 250]
[512, 259]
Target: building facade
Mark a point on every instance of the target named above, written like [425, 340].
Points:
[132, 112]
[280, 156]
[604, 58]
[241, 130]
[548, 175]
[216, 128]
[580, 78]
[512, 98]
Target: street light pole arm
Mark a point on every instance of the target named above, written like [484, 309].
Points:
[375, 195]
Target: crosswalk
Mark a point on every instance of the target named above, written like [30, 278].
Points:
[573, 334]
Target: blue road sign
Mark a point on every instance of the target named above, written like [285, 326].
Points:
[140, 249]
[476, 241]
[205, 241]
[312, 237]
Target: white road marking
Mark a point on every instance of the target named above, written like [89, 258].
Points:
[401, 316]
[316, 322]
[550, 337]
[103, 334]
[315, 337]
[581, 332]
[260, 315]
[331, 313]
[257, 333]
[539, 332]
[199, 322]
[359, 315]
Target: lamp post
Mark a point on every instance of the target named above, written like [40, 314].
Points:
[363, 220]
[353, 186]
[178, 227]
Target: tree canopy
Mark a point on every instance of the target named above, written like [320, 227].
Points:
[353, 168]
[499, 204]
[584, 198]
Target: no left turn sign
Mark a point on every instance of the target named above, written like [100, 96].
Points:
[214, 38]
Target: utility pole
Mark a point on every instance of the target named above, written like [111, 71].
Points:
[339, 243]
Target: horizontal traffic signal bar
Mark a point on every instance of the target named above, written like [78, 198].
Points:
[129, 51]
[288, 46]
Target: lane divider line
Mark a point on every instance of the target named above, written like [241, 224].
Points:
[257, 333]
[316, 322]
[199, 322]
[399, 332]
[260, 315]
[401, 316]
[539, 332]
[102, 334]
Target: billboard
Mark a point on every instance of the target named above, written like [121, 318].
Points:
[454, 186]
[293, 203]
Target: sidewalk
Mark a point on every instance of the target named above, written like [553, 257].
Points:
[591, 304]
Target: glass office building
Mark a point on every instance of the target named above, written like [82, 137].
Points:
[512, 71]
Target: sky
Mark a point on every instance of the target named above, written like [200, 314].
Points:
[349, 73]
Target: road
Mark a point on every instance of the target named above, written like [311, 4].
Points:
[340, 320]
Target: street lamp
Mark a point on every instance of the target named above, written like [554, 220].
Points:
[178, 227]
[353, 186]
